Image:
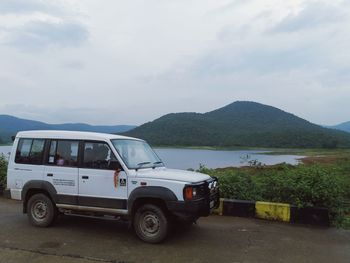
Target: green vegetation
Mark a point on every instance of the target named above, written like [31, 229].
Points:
[3, 171]
[311, 152]
[246, 124]
[304, 185]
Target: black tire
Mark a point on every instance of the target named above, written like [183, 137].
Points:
[150, 224]
[41, 211]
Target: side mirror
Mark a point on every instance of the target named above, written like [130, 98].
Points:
[115, 165]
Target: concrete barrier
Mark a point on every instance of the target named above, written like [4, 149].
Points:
[310, 215]
[239, 208]
[274, 211]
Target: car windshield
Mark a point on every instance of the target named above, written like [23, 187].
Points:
[136, 154]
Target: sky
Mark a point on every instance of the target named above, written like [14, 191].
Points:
[130, 62]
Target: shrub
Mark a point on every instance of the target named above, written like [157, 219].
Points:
[3, 171]
[303, 186]
[238, 185]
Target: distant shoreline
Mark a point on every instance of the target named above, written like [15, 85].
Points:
[271, 151]
[220, 148]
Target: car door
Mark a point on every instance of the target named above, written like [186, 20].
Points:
[102, 181]
[61, 170]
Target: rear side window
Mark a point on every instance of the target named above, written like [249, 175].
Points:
[30, 151]
[63, 153]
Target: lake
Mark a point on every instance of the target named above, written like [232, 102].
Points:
[191, 158]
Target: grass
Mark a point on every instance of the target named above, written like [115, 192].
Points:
[311, 152]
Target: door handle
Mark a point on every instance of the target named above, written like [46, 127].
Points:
[50, 175]
[85, 177]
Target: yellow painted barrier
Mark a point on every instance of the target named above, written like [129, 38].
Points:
[218, 211]
[272, 211]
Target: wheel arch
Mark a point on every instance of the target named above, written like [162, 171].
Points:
[157, 195]
[35, 187]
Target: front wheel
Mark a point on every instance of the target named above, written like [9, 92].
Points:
[151, 224]
[41, 211]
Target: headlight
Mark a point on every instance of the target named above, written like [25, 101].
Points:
[190, 192]
[194, 192]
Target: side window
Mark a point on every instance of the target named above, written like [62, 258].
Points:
[63, 153]
[98, 155]
[30, 151]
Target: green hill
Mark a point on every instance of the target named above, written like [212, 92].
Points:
[345, 126]
[239, 124]
[10, 125]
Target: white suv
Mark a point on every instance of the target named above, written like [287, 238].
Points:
[56, 172]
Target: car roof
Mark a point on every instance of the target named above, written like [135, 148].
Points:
[75, 135]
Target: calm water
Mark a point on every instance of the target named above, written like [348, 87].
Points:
[190, 158]
[5, 150]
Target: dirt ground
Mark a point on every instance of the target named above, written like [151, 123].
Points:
[214, 239]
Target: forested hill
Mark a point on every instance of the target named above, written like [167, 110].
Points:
[345, 126]
[10, 125]
[239, 124]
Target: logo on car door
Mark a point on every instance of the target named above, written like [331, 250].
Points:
[122, 182]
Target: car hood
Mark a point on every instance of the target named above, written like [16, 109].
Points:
[173, 174]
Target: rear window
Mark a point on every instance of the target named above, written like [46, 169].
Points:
[30, 151]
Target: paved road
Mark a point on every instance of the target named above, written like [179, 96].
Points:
[214, 239]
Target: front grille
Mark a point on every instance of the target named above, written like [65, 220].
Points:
[202, 190]
[208, 190]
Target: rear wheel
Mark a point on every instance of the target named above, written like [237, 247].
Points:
[41, 211]
[151, 223]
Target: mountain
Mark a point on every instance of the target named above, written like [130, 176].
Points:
[241, 123]
[10, 125]
[345, 126]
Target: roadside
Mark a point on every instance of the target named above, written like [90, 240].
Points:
[321, 180]
[214, 239]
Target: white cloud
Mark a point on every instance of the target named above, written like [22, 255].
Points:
[110, 62]
[29, 6]
[313, 15]
[37, 35]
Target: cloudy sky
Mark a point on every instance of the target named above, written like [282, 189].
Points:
[128, 62]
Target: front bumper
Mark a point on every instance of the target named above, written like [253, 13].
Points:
[198, 207]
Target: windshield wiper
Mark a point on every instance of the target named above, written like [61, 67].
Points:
[155, 163]
[141, 164]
